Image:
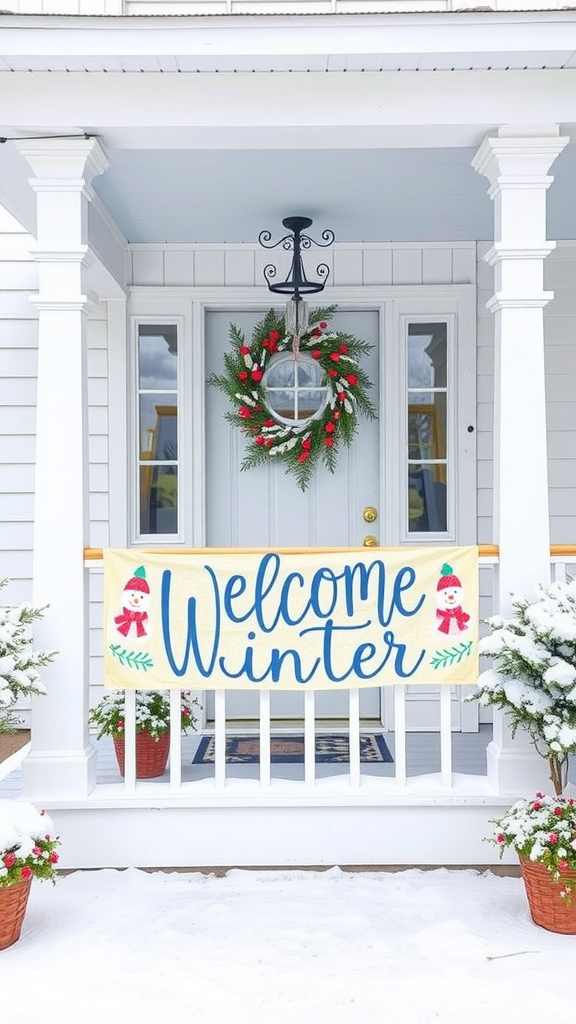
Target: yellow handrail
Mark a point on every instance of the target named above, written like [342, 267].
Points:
[484, 550]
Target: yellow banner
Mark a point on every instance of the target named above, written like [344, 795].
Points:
[281, 620]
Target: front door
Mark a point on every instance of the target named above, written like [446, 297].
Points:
[263, 507]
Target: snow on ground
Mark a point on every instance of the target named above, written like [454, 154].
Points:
[272, 947]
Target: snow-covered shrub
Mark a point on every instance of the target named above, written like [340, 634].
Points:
[533, 677]
[19, 662]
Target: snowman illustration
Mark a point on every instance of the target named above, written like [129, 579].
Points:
[451, 618]
[133, 619]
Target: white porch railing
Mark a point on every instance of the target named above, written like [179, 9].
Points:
[563, 564]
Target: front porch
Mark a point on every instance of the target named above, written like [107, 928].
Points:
[432, 805]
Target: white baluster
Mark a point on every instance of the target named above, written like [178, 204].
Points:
[400, 733]
[309, 738]
[130, 739]
[219, 739]
[175, 739]
[265, 739]
[354, 737]
[446, 736]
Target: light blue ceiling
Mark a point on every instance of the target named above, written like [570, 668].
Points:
[370, 195]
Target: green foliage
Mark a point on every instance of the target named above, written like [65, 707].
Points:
[19, 662]
[300, 447]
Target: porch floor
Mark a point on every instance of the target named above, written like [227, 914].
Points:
[422, 758]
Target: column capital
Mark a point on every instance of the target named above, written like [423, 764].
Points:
[519, 154]
[64, 163]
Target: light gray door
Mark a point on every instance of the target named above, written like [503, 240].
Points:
[263, 507]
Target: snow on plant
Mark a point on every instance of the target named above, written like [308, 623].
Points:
[542, 830]
[152, 713]
[19, 662]
[27, 843]
[533, 677]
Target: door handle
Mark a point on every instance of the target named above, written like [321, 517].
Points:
[370, 541]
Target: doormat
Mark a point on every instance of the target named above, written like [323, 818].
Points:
[331, 749]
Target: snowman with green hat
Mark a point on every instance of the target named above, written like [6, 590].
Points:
[451, 619]
[133, 619]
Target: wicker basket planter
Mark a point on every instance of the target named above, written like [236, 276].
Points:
[547, 907]
[151, 754]
[13, 903]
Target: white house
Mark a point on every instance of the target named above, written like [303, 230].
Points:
[145, 146]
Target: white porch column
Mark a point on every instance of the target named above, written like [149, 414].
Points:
[62, 760]
[516, 162]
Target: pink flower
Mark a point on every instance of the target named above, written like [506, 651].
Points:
[54, 857]
[563, 864]
[540, 795]
[552, 838]
[186, 712]
[26, 872]
[536, 806]
[37, 851]
[558, 811]
[500, 837]
[9, 860]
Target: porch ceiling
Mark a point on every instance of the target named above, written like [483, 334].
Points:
[218, 155]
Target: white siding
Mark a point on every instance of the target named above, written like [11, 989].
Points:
[560, 361]
[242, 265]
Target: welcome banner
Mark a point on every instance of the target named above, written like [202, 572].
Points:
[316, 620]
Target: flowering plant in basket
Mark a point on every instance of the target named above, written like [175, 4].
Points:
[152, 713]
[27, 844]
[542, 830]
[533, 674]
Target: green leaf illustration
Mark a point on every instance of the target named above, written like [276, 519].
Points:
[451, 655]
[139, 660]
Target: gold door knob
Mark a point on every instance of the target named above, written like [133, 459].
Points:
[370, 514]
[370, 541]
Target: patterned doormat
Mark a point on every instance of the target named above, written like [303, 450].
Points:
[331, 749]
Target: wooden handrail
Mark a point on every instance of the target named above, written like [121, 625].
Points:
[484, 550]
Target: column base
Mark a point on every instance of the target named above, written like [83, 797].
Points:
[521, 773]
[59, 774]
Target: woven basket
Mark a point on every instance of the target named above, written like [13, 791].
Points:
[13, 901]
[151, 755]
[547, 907]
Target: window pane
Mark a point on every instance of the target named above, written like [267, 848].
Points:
[157, 357]
[158, 428]
[427, 511]
[427, 425]
[158, 499]
[427, 353]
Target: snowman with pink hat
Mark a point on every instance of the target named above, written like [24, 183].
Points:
[133, 618]
[451, 618]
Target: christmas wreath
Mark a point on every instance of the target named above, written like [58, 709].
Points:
[301, 446]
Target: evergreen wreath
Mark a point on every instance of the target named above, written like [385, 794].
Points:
[302, 446]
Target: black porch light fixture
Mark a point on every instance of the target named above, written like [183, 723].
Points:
[296, 284]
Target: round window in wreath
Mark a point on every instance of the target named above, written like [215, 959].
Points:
[294, 388]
